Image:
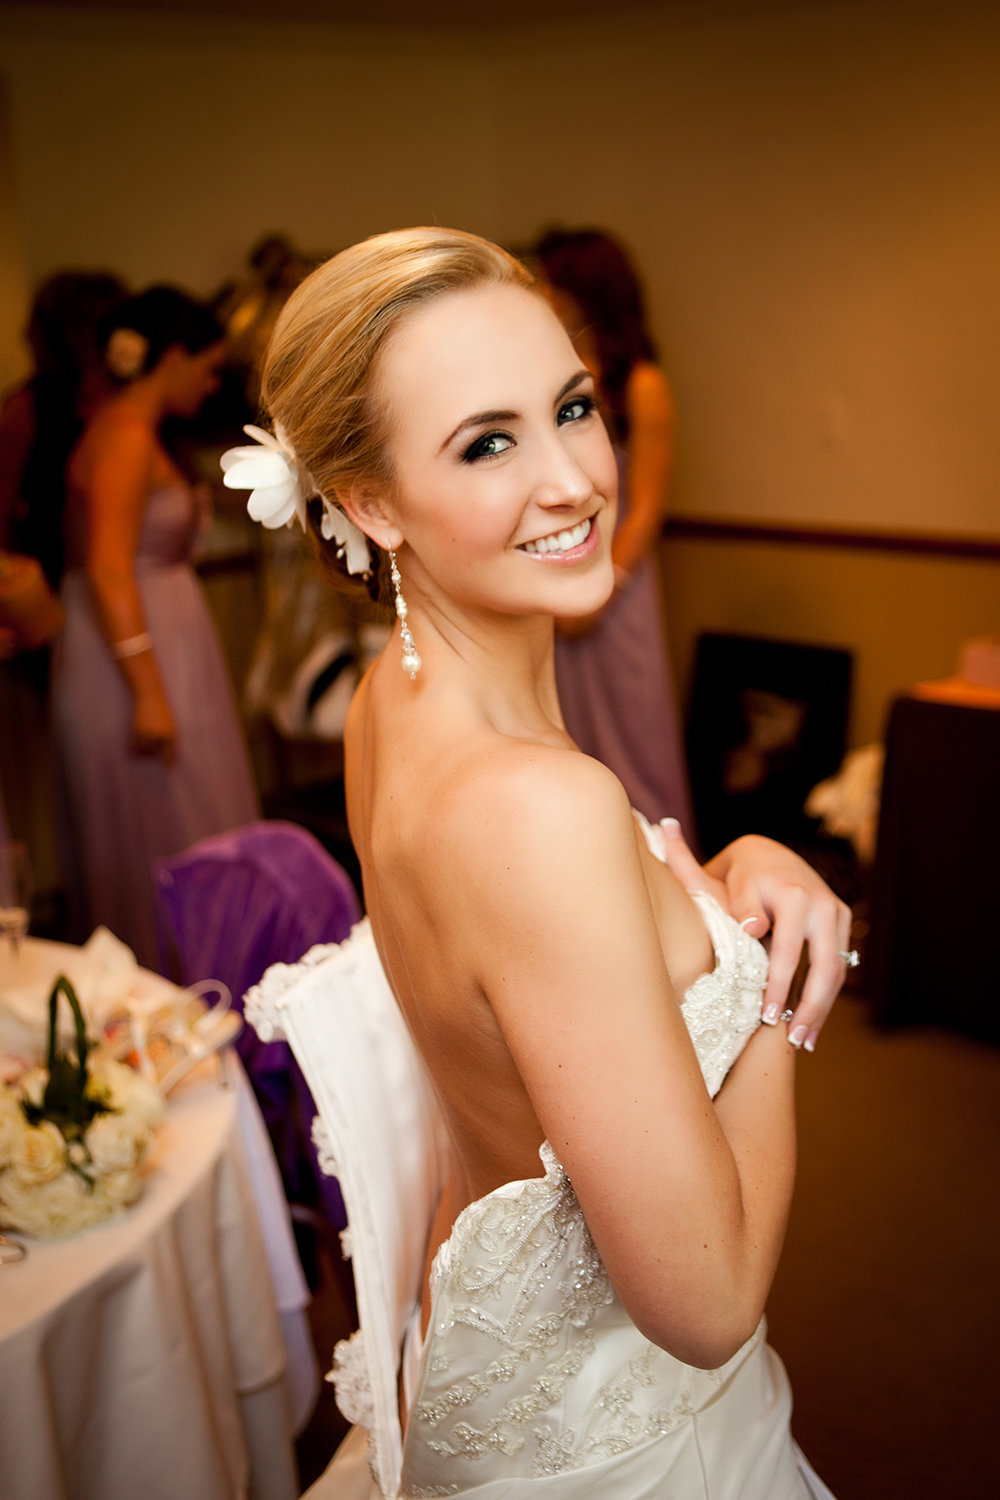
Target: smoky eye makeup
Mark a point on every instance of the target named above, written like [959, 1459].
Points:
[490, 445]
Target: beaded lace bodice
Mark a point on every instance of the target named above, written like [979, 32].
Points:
[532, 1367]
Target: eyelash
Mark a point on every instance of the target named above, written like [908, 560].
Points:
[589, 404]
[477, 451]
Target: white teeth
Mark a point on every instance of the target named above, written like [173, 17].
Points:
[561, 541]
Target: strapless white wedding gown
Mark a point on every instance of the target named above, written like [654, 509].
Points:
[534, 1382]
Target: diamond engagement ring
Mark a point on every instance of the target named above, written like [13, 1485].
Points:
[851, 959]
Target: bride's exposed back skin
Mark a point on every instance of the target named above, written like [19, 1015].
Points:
[537, 948]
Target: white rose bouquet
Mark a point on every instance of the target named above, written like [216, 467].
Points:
[73, 1135]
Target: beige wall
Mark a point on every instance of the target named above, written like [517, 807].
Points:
[811, 189]
[14, 281]
[165, 147]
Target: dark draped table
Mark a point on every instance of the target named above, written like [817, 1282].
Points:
[936, 884]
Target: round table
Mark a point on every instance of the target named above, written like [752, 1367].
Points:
[145, 1357]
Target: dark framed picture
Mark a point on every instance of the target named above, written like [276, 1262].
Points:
[767, 720]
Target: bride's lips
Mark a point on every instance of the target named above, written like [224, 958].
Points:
[582, 550]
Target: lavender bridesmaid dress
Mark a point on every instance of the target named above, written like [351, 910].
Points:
[617, 695]
[127, 811]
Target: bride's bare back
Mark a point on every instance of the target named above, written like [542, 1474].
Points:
[429, 831]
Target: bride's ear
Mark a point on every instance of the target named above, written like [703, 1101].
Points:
[366, 506]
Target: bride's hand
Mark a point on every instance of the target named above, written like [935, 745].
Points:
[768, 888]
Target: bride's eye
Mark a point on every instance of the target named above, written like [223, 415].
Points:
[576, 409]
[490, 445]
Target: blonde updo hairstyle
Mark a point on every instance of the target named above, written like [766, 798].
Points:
[320, 374]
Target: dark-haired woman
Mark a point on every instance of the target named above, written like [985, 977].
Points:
[41, 421]
[614, 677]
[151, 746]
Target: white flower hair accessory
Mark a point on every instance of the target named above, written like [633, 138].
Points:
[280, 489]
[277, 493]
[126, 352]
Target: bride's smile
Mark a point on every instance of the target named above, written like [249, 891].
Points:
[564, 546]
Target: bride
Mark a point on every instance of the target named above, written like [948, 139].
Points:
[622, 1127]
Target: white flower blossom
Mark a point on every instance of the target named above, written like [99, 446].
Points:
[277, 494]
[40, 1154]
[116, 1190]
[114, 1141]
[352, 544]
[280, 489]
[12, 1126]
[127, 1091]
[126, 352]
[61, 1206]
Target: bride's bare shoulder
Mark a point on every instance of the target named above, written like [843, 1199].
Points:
[532, 805]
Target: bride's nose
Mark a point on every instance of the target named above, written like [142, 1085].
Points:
[560, 480]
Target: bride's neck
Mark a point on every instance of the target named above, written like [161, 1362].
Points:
[505, 661]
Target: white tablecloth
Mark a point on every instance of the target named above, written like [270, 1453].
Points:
[145, 1358]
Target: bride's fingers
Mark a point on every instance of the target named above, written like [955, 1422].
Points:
[825, 979]
[746, 902]
[789, 929]
[678, 858]
[829, 925]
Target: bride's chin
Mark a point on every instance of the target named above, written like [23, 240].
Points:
[588, 601]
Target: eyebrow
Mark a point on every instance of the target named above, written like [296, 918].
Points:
[486, 418]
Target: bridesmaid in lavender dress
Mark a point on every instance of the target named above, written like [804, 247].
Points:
[152, 752]
[615, 685]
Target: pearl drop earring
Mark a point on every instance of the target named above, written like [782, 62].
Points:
[411, 656]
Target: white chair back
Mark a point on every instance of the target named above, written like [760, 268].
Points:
[381, 1132]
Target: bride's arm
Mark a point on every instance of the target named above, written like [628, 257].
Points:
[769, 888]
[686, 1202]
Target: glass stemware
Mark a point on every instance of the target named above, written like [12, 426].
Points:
[15, 893]
[11, 1251]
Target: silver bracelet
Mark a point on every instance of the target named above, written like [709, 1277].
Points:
[133, 645]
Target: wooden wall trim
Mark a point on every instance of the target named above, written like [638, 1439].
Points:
[719, 529]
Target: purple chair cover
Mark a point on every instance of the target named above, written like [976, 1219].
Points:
[227, 908]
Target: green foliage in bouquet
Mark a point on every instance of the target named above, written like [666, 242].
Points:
[66, 1101]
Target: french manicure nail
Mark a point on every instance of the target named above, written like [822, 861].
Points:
[747, 920]
[670, 825]
[771, 1015]
[798, 1035]
[810, 1041]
